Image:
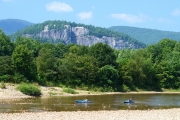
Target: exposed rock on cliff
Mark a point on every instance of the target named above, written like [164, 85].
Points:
[79, 35]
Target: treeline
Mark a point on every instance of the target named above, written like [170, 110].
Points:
[98, 67]
[147, 36]
[59, 25]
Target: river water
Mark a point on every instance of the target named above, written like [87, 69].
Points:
[100, 102]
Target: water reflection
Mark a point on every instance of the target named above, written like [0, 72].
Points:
[100, 102]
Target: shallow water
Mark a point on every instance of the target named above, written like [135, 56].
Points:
[100, 102]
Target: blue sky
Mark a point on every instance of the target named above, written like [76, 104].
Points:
[154, 14]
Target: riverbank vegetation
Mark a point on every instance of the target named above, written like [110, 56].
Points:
[29, 89]
[98, 67]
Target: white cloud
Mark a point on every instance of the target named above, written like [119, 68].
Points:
[130, 18]
[176, 12]
[85, 15]
[58, 7]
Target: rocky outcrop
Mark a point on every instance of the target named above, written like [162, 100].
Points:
[79, 35]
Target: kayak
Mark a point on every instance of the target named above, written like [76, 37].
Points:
[128, 101]
[83, 101]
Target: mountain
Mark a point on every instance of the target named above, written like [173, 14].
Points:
[70, 32]
[10, 26]
[147, 36]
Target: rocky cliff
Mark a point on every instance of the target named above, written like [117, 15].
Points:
[79, 35]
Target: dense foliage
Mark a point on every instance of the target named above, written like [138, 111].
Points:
[6, 47]
[147, 36]
[98, 67]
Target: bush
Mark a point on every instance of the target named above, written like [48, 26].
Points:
[18, 78]
[2, 85]
[29, 89]
[5, 78]
[69, 90]
[125, 88]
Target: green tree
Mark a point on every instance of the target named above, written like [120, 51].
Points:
[33, 45]
[168, 71]
[78, 70]
[108, 76]
[6, 46]
[6, 71]
[137, 70]
[46, 62]
[123, 59]
[160, 50]
[79, 49]
[104, 54]
[60, 50]
[23, 61]
[165, 62]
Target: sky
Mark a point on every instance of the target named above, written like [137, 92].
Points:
[154, 14]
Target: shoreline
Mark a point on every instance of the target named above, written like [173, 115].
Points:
[10, 92]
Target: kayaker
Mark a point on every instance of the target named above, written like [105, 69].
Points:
[130, 99]
[86, 100]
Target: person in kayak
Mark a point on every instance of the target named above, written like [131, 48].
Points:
[86, 99]
[130, 99]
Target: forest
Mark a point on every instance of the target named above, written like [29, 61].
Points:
[98, 67]
[145, 35]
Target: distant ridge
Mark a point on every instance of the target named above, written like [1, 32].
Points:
[145, 35]
[10, 26]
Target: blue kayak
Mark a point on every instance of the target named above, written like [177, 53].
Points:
[128, 101]
[83, 101]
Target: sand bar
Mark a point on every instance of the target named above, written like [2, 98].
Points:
[168, 114]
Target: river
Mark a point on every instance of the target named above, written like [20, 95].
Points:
[100, 102]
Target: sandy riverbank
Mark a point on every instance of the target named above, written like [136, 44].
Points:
[169, 114]
[12, 93]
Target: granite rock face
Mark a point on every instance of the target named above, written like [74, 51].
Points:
[79, 35]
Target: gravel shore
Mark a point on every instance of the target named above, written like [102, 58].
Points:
[168, 114]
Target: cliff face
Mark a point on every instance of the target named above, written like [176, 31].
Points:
[79, 35]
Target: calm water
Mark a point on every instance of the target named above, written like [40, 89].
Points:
[100, 102]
